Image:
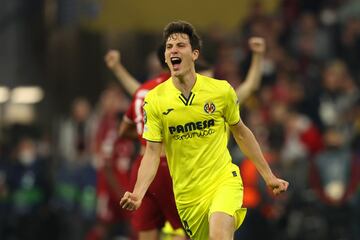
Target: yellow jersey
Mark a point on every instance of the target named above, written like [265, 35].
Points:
[194, 132]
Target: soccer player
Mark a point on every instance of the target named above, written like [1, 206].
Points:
[134, 117]
[188, 115]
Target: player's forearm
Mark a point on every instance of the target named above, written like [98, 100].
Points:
[254, 75]
[253, 78]
[146, 174]
[249, 145]
[126, 79]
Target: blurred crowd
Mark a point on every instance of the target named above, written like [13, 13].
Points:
[306, 115]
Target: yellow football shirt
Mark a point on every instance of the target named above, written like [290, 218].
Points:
[194, 132]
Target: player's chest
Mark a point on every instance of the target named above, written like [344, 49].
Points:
[194, 108]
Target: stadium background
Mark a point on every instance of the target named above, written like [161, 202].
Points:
[306, 113]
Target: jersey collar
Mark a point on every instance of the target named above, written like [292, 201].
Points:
[196, 86]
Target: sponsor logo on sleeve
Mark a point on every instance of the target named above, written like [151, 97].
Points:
[144, 116]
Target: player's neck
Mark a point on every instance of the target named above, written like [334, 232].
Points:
[185, 82]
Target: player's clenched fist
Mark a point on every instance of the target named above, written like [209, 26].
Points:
[257, 44]
[277, 185]
[112, 58]
[130, 201]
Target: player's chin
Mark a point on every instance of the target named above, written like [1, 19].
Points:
[176, 72]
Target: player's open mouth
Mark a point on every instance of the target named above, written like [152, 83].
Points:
[175, 61]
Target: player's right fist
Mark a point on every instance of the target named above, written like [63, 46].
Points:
[130, 201]
[112, 58]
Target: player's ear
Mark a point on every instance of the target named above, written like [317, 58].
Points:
[196, 54]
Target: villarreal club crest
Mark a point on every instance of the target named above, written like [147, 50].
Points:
[209, 107]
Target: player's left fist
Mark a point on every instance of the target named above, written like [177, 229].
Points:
[257, 44]
[278, 185]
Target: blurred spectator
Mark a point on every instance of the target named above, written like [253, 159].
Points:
[75, 178]
[334, 178]
[29, 191]
[338, 95]
[310, 39]
[303, 138]
[75, 134]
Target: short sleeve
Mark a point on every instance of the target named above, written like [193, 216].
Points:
[152, 120]
[232, 112]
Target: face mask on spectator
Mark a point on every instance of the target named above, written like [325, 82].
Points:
[27, 157]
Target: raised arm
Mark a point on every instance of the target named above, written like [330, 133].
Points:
[147, 171]
[253, 77]
[112, 59]
[250, 147]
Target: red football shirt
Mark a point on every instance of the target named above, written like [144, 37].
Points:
[135, 112]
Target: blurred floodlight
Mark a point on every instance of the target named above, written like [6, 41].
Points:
[4, 94]
[27, 95]
[19, 113]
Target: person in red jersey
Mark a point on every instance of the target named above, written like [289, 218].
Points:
[158, 204]
[113, 155]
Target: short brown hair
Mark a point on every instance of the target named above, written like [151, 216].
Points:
[185, 28]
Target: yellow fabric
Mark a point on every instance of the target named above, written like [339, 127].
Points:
[168, 232]
[226, 199]
[229, 198]
[194, 133]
